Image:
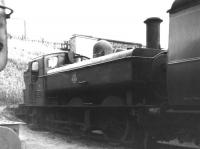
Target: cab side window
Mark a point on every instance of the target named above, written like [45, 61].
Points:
[34, 71]
[63, 60]
[35, 67]
[56, 60]
[52, 62]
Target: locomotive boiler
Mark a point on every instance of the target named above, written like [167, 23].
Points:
[139, 95]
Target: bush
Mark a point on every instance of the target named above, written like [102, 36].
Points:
[11, 78]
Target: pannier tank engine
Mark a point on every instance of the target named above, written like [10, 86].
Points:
[138, 95]
[8, 130]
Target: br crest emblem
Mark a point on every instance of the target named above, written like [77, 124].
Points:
[74, 78]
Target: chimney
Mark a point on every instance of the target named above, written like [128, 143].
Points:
[153, 32]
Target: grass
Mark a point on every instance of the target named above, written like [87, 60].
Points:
[11, 78]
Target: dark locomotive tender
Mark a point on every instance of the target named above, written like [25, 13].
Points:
[139, 96]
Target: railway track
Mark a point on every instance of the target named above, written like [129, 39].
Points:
[77, 130]
[99, 137]
[170, 146]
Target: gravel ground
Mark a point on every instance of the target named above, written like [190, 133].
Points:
[32, 139]
[46, 140]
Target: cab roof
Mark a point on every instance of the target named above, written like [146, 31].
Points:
[39, 57]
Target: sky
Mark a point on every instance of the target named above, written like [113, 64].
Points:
[114, 19]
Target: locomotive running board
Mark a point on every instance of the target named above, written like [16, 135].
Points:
[90, 106]
[183, 111]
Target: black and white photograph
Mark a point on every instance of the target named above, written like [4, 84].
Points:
[100, 74]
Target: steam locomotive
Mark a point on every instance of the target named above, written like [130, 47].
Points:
[139, 95]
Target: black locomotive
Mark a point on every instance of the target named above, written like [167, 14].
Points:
[139, 95]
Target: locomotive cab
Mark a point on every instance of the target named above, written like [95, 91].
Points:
[38, 69]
